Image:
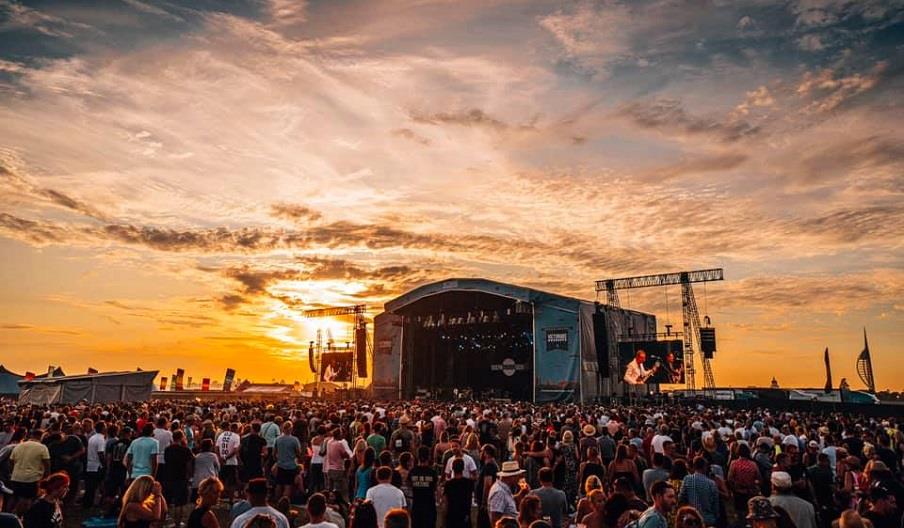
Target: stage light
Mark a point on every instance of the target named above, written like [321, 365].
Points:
[442, 320]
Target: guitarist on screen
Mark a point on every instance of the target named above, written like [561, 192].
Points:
[636, 373]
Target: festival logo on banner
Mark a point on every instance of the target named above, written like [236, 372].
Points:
[557, 339]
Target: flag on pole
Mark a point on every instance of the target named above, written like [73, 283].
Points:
[828, 372]
[205, 384]
[227, 380]
[865, 366]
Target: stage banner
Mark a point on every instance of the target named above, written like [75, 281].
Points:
[189, 382]
[336, 367]
[556, 349]
[227, 381]
[180, 374]
[205, 384]
[163, 383]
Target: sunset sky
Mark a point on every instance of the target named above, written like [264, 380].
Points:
[179, 181]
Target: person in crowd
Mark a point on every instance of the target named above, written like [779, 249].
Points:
[337, 452]
[252, 455]
[530, 510]
[883, 509]
[143, 502]
[743, 479]
[554, 502]
[30, 463]
[202, 516]
[256, 493]
[424, 482]
[655, 473]
[384, 495]
[458, 492]
[365, 516]
[689, 517]
[701, 492]
[596, 516]
[664, 501]
[761, 514]
[502, 499]
[94, 467]
[317, 512]
[206, 464]
[287, 450]
[364, 478]
[397, 518]
[46, 511]
[585, 505]
[227, 447]
[178, 467]
[141, 455]
[802, 513]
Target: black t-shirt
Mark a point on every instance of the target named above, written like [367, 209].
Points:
[423, 486]
[43, 514]
[250, 450]
[458, 492]
[490, 469]
[176, 458]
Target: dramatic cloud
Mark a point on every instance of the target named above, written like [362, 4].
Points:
[670, 117]
[180, 183]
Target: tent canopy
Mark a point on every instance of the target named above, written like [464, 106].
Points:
[93, 388]
[9, 382]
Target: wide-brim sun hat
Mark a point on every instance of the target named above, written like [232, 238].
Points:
[510, 468]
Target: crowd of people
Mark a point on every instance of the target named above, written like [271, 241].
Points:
[427, 464]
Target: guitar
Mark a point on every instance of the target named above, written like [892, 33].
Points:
[650, 373]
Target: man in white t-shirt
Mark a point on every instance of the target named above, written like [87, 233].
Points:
[227, 446]
[256, 493]
[384, 495]
[93, 474]
[317, 512]
[470, 466]
[164, 437]
[661, 438]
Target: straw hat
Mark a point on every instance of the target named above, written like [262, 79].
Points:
[404, 420]
[510, 468]
[589, 430]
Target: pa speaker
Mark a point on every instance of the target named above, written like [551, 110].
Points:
[601, 342]
[708, 342]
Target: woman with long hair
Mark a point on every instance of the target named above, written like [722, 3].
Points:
[364, 473]
[142, 504]
[208, 494]
[585, 505]
[46, 512]
[623, 466]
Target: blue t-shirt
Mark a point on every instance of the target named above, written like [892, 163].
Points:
[142, 449]
[286, 447]
[362, 476]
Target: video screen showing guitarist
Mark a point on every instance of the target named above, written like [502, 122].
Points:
[636, 373]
